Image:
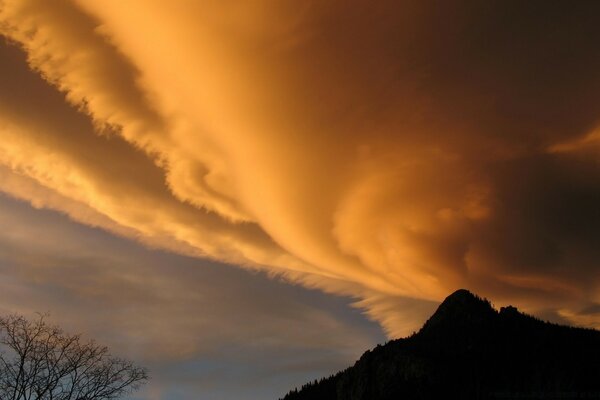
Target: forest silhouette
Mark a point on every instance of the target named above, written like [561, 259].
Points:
[469, 350]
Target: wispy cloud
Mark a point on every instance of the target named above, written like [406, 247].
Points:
[390, 152]
[196, 324]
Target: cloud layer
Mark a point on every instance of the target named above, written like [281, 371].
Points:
[390, 152]
[204, 329]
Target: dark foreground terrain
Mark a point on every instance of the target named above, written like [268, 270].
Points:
[468, 350]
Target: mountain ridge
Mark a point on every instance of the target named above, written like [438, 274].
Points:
[468, 349]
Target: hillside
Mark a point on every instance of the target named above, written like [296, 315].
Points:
[469, 350]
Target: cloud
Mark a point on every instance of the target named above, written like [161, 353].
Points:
[198, 325]
[390, 152]
[172, 307]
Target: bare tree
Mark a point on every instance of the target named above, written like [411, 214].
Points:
[39, 361]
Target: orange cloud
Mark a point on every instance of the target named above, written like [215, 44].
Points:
[389, 151]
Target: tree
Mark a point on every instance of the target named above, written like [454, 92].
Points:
[39, 361]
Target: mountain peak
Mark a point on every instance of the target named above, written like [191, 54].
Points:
[466, 301]
[469, 350]
[459, 309]
[461, 295]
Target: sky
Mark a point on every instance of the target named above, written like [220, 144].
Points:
[247, 195]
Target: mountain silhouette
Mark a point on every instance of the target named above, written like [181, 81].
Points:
[469, 350]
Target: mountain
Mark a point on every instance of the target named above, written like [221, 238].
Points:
[469, 350]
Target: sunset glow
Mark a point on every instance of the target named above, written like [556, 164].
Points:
[387, 152]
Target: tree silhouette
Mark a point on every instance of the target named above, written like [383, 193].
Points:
[39, 361]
